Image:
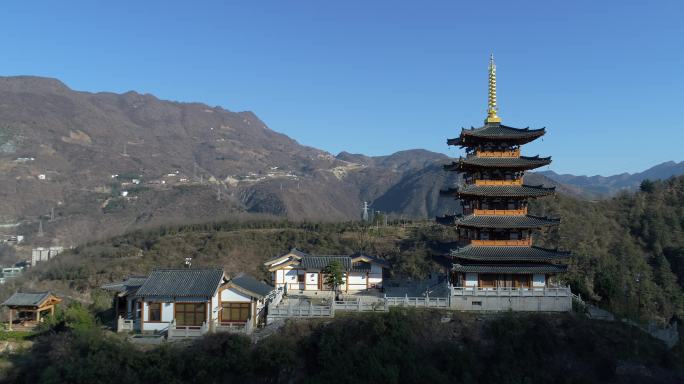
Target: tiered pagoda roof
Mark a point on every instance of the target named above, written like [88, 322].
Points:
[514, 163]
[496, 132]
[507, 253]
[514, 191]
[510, 268]
[507, 221]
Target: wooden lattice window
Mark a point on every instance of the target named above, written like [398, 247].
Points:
[154, 312]
[190, 314]
[234, 312]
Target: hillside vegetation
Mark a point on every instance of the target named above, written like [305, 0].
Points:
[396, 347]
[629, 250]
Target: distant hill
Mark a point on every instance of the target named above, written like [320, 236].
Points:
[604, 186]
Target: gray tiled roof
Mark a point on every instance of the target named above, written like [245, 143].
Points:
[181, 283]
[293, 251]
[360, 267]
[25, 299]
[522, 162]
[508, 253]
[320, 262]
[492, 221]
[250, 284]
[376, 260]
[503, 190]
[497, 131]
[129, 285]
[298, 253]
[513, 268]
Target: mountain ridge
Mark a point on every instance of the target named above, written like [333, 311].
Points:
[606, 186]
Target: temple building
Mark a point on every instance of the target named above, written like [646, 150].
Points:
[495, 248]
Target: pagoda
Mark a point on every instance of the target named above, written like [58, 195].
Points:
[495, 248]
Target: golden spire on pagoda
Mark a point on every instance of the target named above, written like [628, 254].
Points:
[492, 117]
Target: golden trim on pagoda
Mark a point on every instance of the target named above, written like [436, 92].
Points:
[502, 243]
[500, 212]
[492, 110]
[481, 182]
[487, 153]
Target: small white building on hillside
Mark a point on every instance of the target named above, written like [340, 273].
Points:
[190, 302]
[300, 271]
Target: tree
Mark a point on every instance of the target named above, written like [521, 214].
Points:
[647, 186]
[334, 275]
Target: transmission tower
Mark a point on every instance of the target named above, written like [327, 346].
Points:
[40, 228]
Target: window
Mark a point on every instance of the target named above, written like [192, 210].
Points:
[234, 312]
[154, 312]
[190, 314]
[301, 278]
[521, 281]
[487, 280]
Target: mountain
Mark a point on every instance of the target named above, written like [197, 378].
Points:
[85, 165]
[605, 186]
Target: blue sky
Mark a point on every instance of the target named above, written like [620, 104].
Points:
[374, 77]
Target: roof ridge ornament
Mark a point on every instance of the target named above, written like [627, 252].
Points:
[492, 109]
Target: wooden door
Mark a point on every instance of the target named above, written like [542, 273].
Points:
[487, 280]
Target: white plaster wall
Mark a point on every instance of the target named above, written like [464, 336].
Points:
[471, 279]
[357, 278]
[233, 295]
[311, 281]
[167, 312]
[215, 307]
[291, 276]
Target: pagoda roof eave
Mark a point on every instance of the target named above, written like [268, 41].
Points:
[496, 132]
[507, 254]
[519, 163]
[505, 221]
[510, 268]
[514, 191]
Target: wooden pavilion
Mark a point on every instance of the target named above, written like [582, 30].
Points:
[29, 307]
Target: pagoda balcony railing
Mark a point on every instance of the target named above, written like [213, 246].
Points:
[501, 291]
[500, 212]
[499, 182]
[513, 153]
[503, 243]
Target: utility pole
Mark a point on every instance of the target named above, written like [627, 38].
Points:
[218, 193]
[52, 214]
